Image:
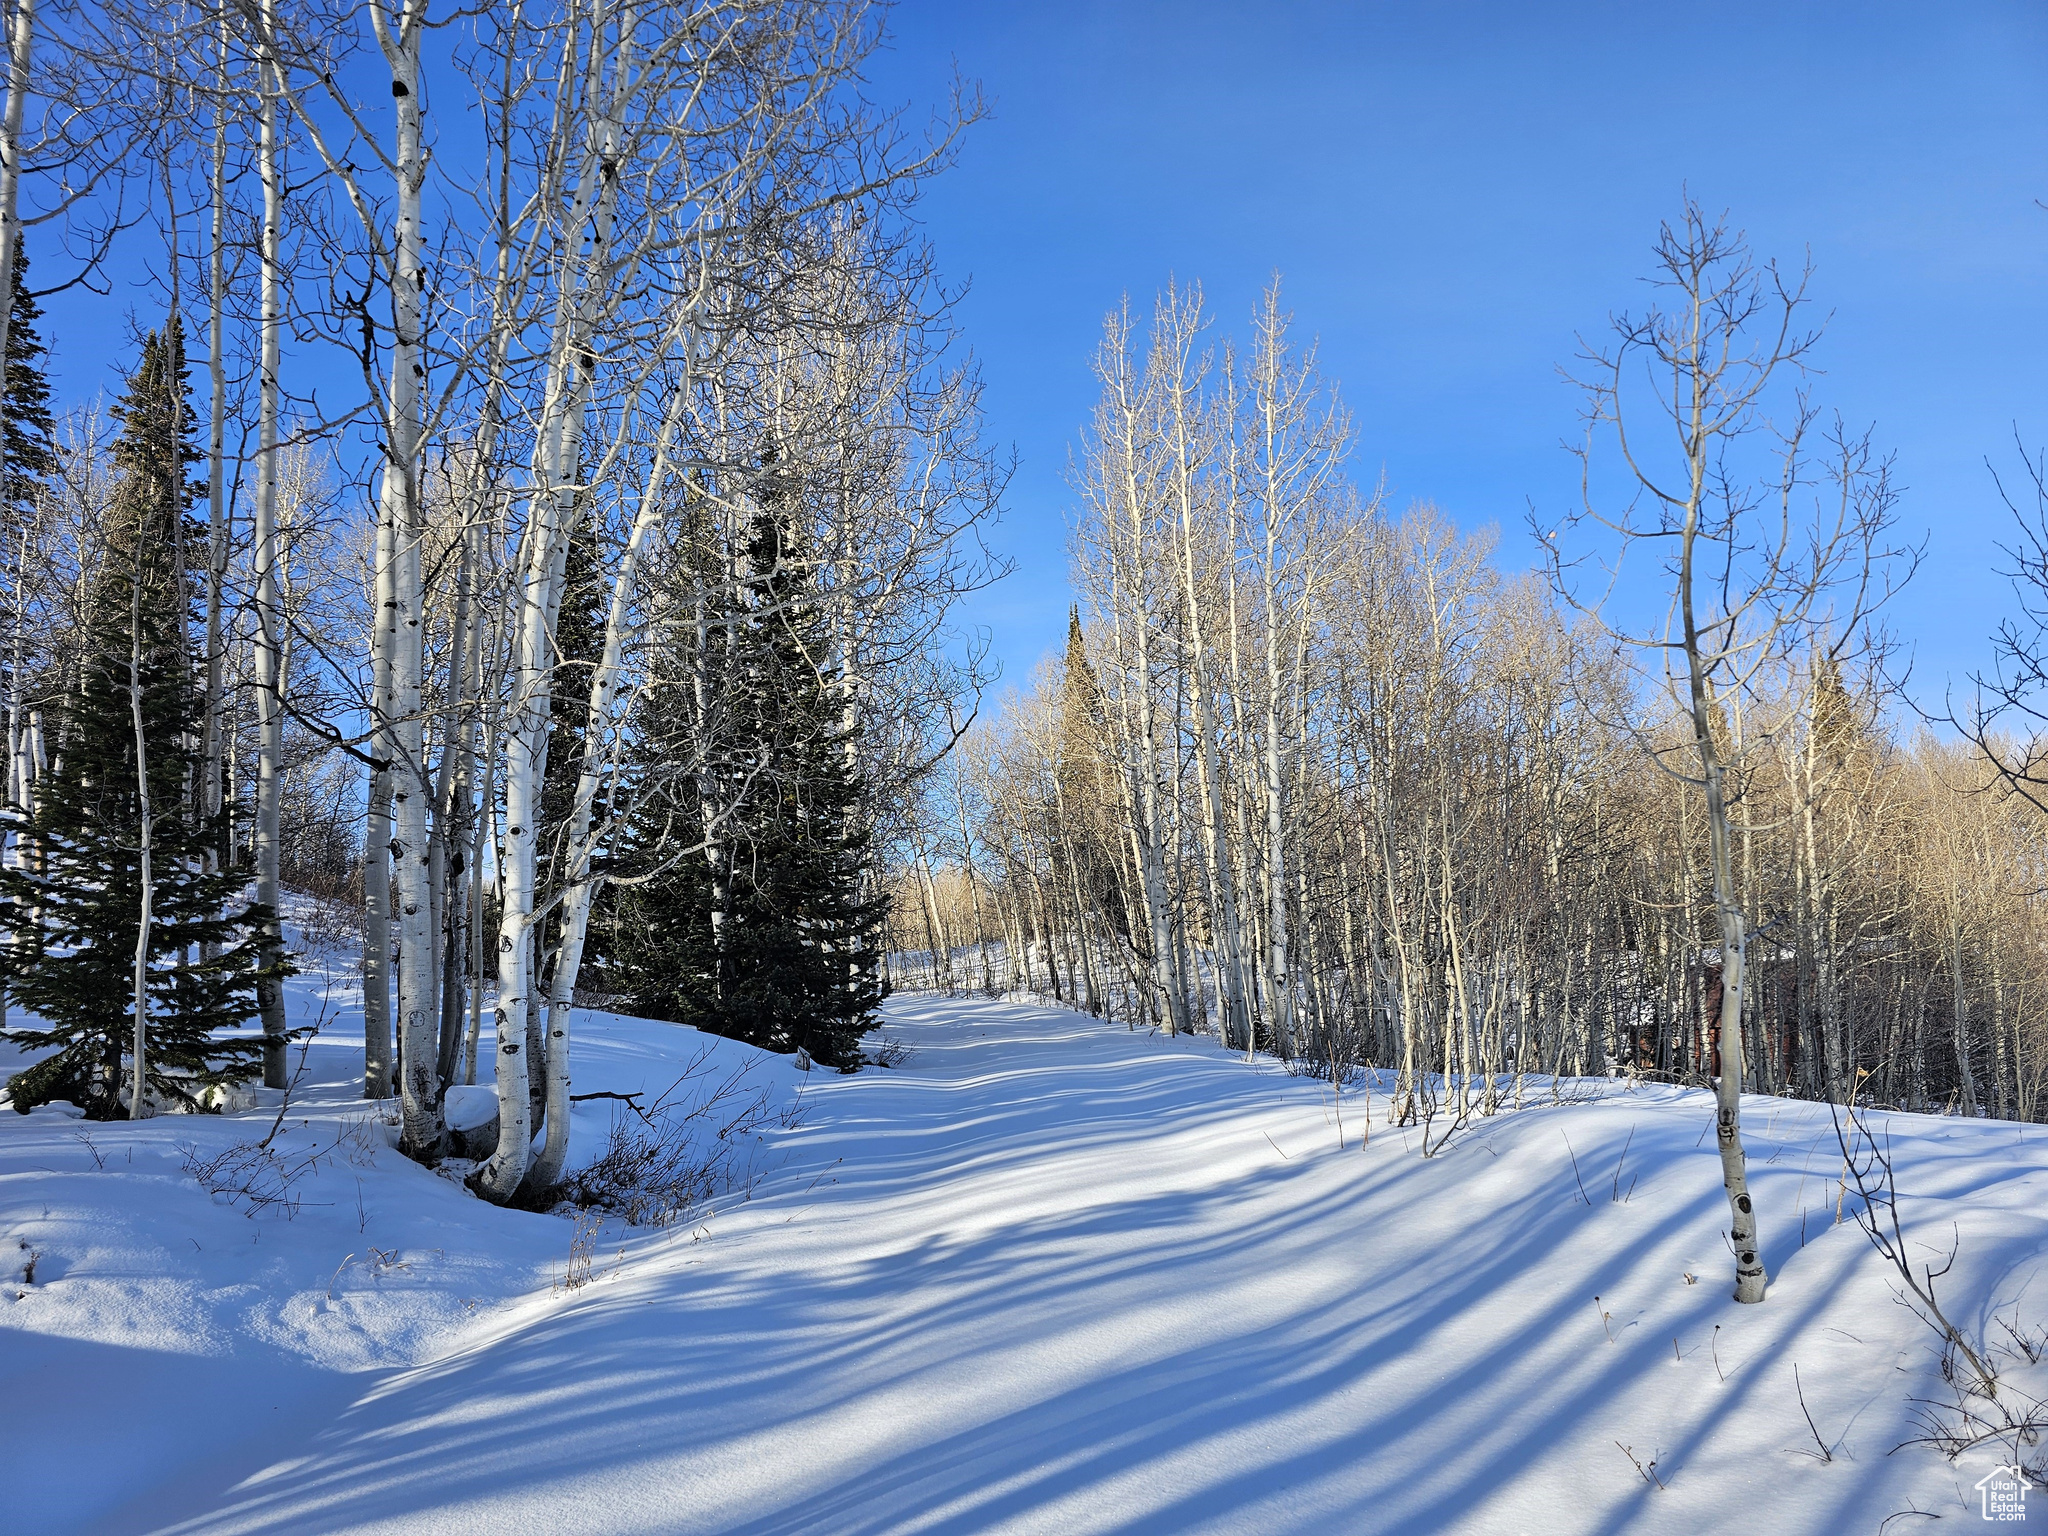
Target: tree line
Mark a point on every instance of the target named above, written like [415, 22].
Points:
[1319, 776]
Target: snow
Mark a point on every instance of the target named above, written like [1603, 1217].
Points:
[469, 1105]
[1045, 1275]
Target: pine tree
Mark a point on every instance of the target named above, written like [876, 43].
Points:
[579, 642]
[1082, 765]
[25, 421]
[795, 963]
[77, 898]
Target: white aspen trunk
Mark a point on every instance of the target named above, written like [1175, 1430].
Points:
[139, 1096]
[622, 630]
[452, 784]
[268, 652]
[1814, 911]
[19, 770]
[1141, 777]
[422, 1129]
[486, 822]
[1044, 917]
[1461, 994]
[1209, 790]
[537, 600]
[710, 792]
[1305, 964]
[935, 919]
[1750, 1279]
[1960, 1013]
[20, 46]
[1088, 973]
[216, 455]
[1273, 785]
[973, 893]
[377, 1063]
[1245, 859]
[524, 755]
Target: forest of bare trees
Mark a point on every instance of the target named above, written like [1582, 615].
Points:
[1328, 778]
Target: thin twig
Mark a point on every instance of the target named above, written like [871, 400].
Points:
[1575, 1167]
[1825, 1454]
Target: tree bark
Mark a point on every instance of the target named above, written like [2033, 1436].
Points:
[268, 650]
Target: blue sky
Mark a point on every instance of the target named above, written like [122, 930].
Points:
[1453, 192]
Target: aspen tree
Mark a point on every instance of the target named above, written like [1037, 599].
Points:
[1756, 565]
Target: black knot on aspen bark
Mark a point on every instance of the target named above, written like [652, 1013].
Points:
[398, 88]
[1742, 1204]
[1748, 1258]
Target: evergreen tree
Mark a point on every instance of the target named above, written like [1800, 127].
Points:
[76, 898]
[579, 644]
[794, 964]
[1087, 792]
[25, 422]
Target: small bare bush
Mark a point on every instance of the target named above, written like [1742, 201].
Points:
[889, 1052]
[359, 1142]
[1869, 1175]
[661, 1161]
[251, 1176]
[1967, 1419]
[582, 1253]
[328, 923]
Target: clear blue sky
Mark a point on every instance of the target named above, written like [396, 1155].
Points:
[1452, 192]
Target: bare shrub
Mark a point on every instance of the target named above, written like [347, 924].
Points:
[889, 1052]
[582, 1253]
[661, 1161]
[328, 923]
[1967, 1420]
[252, 1176]
[359, 1142]
[1867, 1169]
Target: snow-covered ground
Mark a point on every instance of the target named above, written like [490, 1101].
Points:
[1044, 1275]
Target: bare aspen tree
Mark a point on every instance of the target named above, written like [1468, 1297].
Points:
[661, 155]
[398, 630]
[210, 795]
[21, 27]
[1295, 443]
[608, 693]
[269, 677]
[138, 1100]
[1759, 565]
[1192, 431]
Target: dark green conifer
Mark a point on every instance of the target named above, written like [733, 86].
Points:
[76, 897]
[794, 962]
[579, 645]
[26, 457]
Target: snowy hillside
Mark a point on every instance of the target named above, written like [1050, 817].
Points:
[1041, 1275]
